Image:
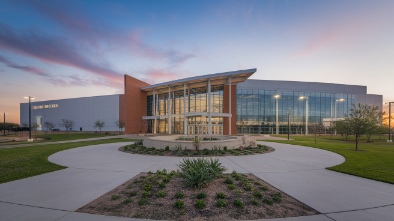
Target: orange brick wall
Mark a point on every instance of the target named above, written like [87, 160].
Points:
[133, 105]
[233, 109]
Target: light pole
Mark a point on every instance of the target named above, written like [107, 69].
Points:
[306, 112]
[389, 140]
[335, 109]
[277, 96]
[288, 124]
[4, 124]
[30, 98]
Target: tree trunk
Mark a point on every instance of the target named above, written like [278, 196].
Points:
[356, 142]
[369, 138]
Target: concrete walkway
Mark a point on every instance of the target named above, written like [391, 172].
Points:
[94, 170]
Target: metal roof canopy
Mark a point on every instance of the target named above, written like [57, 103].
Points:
[201, 81]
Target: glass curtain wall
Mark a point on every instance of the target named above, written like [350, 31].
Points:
[196, 102]
[256, 110]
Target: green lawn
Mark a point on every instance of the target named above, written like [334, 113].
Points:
[21, 162]
[375, 160]
[60, 137]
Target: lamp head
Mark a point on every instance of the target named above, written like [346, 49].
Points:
[340, 100]
[276, 96]
[303, 97]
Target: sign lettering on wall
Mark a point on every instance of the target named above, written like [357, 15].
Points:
[45, 106]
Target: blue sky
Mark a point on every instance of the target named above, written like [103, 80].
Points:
[61, 49]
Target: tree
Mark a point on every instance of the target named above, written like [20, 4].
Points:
[49, 125]
[99, 124]
[375, 117]
[361, 119]
[34, 126]
[120, 124]
[67, 124]
[343, 128]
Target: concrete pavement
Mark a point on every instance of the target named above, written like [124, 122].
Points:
[94, 170]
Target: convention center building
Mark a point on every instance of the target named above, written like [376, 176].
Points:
[223, 103]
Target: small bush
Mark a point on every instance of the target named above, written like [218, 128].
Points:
[258, 195]
[179, 195]
[228, 180]
[263, 188]
[162, 185]
[145, 194]
[136, 181]
[267, 201]
[161, 194]
[197, 172]
[201, 195]
[179, 204]
[127, 201]
[220, 195]
[147, 187]
[129, 186]
[225, 148]
[200, 204]
[254, 202]
[115, 197]
[167, 148]
[238, 203]
[276, 197]
[221, 203]
[132, 193]
[231, 186]
[142, 201]
[166, 180]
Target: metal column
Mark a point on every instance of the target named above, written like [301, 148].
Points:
[306, 115]
[154, 111]
[277, 116]
[229, 106]
[169, 110]
[184, 110]
[209, 108]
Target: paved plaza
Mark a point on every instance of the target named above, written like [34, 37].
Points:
[94, 170]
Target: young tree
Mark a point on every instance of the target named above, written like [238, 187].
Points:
[343, 128]
[67, 124]
[34, 126]
[361, 120]
[49, 125]
[375, 117]
[99, 124]
[120, 124]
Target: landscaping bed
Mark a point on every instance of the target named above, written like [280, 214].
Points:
[182, 196]
[138, 148]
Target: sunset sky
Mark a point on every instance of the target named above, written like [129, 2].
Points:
[65, 49]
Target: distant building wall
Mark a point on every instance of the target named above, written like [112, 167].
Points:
[83, 111]
[375, 100]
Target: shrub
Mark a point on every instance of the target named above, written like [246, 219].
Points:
[133, 193]
[167, 148]
[147, 187]
[236, 176]
[221, 203]
[201, 195]
[225, 148]
[263, 188]
[115, 197]
[267, 201]
[231, 186]
[162, 185]
[139, 142]
[258, 195]
[276, 197]
[142, 201]
[166, 180]
[228, 180]
[254, 202]
[197, 172]
[161, 194]
[179, 195]
[129, 186]
[220, 195]
[179, 204]
[238, 203]
[200, 204]
[145, 194]
[127, 201]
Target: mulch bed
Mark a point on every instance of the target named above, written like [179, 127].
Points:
[138, 198]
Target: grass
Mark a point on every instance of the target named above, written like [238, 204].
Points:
[58, 137]
[21, 162]
[374, 160]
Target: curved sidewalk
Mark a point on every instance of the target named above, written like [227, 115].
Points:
[94, 170]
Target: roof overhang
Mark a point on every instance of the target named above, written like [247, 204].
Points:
[201, 81]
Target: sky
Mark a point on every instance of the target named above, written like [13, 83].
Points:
[54, 49]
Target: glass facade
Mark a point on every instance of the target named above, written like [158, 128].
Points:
[256, 110]
[196, 102]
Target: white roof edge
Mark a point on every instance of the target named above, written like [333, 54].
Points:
[229, 73]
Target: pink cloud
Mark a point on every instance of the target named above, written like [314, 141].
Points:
[154, 76]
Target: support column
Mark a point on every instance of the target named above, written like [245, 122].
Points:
[229, 106]
[169, 110]
[277, 116]
[209, 108]
[154, 111]
[184, 110]
[306, 116]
